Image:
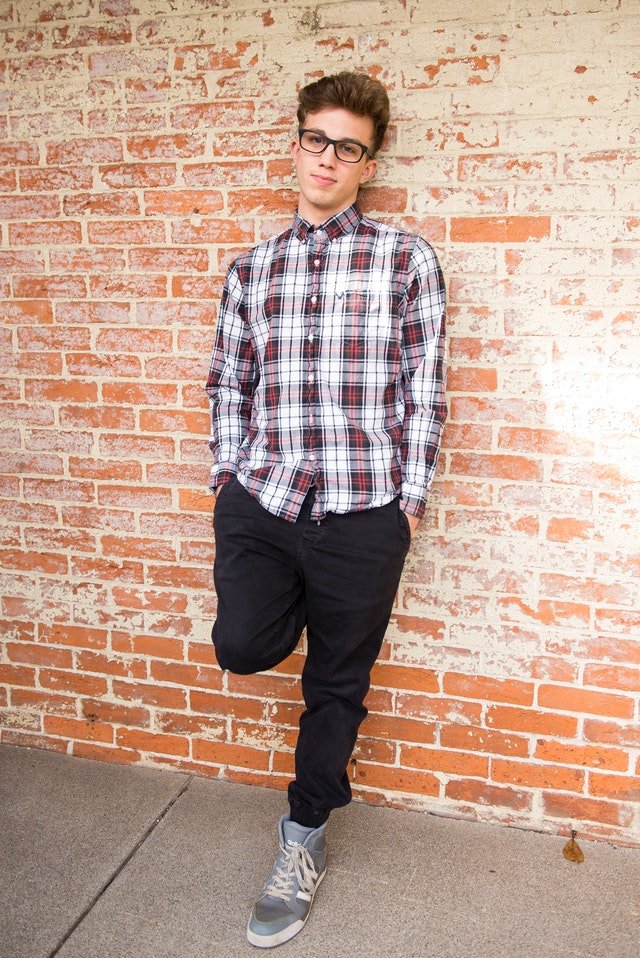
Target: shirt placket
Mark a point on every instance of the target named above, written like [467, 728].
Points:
[317, 242]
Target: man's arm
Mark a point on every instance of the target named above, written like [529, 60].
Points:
[231, 382]
[423, 373]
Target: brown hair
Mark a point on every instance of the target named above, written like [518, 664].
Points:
[358, 93]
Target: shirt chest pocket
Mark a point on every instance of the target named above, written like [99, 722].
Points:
[359, 315]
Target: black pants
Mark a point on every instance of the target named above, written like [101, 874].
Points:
[339, 578]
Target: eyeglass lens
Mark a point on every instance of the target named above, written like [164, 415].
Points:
[346, 150]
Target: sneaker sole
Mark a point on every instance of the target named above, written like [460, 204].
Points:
[270, 941]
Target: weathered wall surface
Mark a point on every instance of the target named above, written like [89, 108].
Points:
[143, 143]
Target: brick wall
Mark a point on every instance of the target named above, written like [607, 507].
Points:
[143, 145]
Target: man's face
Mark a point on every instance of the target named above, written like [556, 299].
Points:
[328, 185]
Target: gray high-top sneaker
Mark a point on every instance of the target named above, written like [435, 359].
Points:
[287, 895]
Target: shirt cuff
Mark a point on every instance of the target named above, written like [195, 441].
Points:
[413, 500]
[219, 475]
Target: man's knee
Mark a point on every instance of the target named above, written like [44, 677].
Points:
[234, 655]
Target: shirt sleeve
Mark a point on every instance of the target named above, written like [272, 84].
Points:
[231, 381]
[423, 375]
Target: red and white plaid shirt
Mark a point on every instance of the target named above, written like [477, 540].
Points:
[328, 368]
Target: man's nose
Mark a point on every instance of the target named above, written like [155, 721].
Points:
[328, 156]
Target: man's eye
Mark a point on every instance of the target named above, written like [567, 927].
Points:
[316, 139]
[349, 148]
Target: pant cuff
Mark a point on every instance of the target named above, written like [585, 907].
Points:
[307, 816]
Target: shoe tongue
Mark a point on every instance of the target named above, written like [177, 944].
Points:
[295, 834]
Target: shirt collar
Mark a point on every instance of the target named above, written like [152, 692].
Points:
[338, 225]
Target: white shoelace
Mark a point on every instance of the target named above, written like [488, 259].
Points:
[298, 863]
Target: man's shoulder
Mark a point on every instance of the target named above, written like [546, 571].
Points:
[410, 242]
[261, 252]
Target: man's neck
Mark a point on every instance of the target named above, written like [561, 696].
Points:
[317, 218]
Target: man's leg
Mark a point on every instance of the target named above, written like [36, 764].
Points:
[261, 613]
[352, 565]
[261, 607]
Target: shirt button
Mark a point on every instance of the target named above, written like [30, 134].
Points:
[310, 377]
[314, 299]
[312, 457]
[316, 262]
[310, 337]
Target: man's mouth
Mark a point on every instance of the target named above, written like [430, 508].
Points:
[322, 180]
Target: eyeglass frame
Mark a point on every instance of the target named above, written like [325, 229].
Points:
[334, 143]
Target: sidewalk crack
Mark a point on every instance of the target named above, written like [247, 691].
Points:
[103, 888]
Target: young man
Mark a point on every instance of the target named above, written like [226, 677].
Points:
[327, 401]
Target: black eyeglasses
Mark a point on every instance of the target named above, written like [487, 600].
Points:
[349, 151]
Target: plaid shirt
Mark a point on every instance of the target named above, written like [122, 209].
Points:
[328, 368]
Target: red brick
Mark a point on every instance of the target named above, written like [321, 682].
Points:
[612, 677]
[590, 756]
[544, 441]
[480, 793]
[467, 738]
[496, 466]
[29, 740]
[104, 469]
[259, 201]
[576, 808]
[135, 394]
[398, 729]
[499, 229]
[138, 447]
[102, 417]
[488, 689]
[181, 202]
[189, 676]
[27, 311]
[222, 753]
[94, 710]
[149, 742]
[612, 733]
[472, 379]
[531, 721]
[34, 561]
[583, 700]
[396, 779]
[78, 729]
[138, 548]
[126, 232]
[149, 599]
[620, 788]
[435, 708]
[49, 287]
[18, 153]
[106, 569]
[26, 653]
[73, 682]
[17, 675]
[36, 207]
[101, 204]
[89, 517]
[568, 530]
[447, 762]
[213, 703]
[102, 753]
[152, 694]
[537, 776]
[56, 391]
[44, 701]
[178, 723]
[170, 260]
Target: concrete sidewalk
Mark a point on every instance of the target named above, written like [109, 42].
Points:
[112, 861]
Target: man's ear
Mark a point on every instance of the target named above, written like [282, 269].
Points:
[368, 171]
